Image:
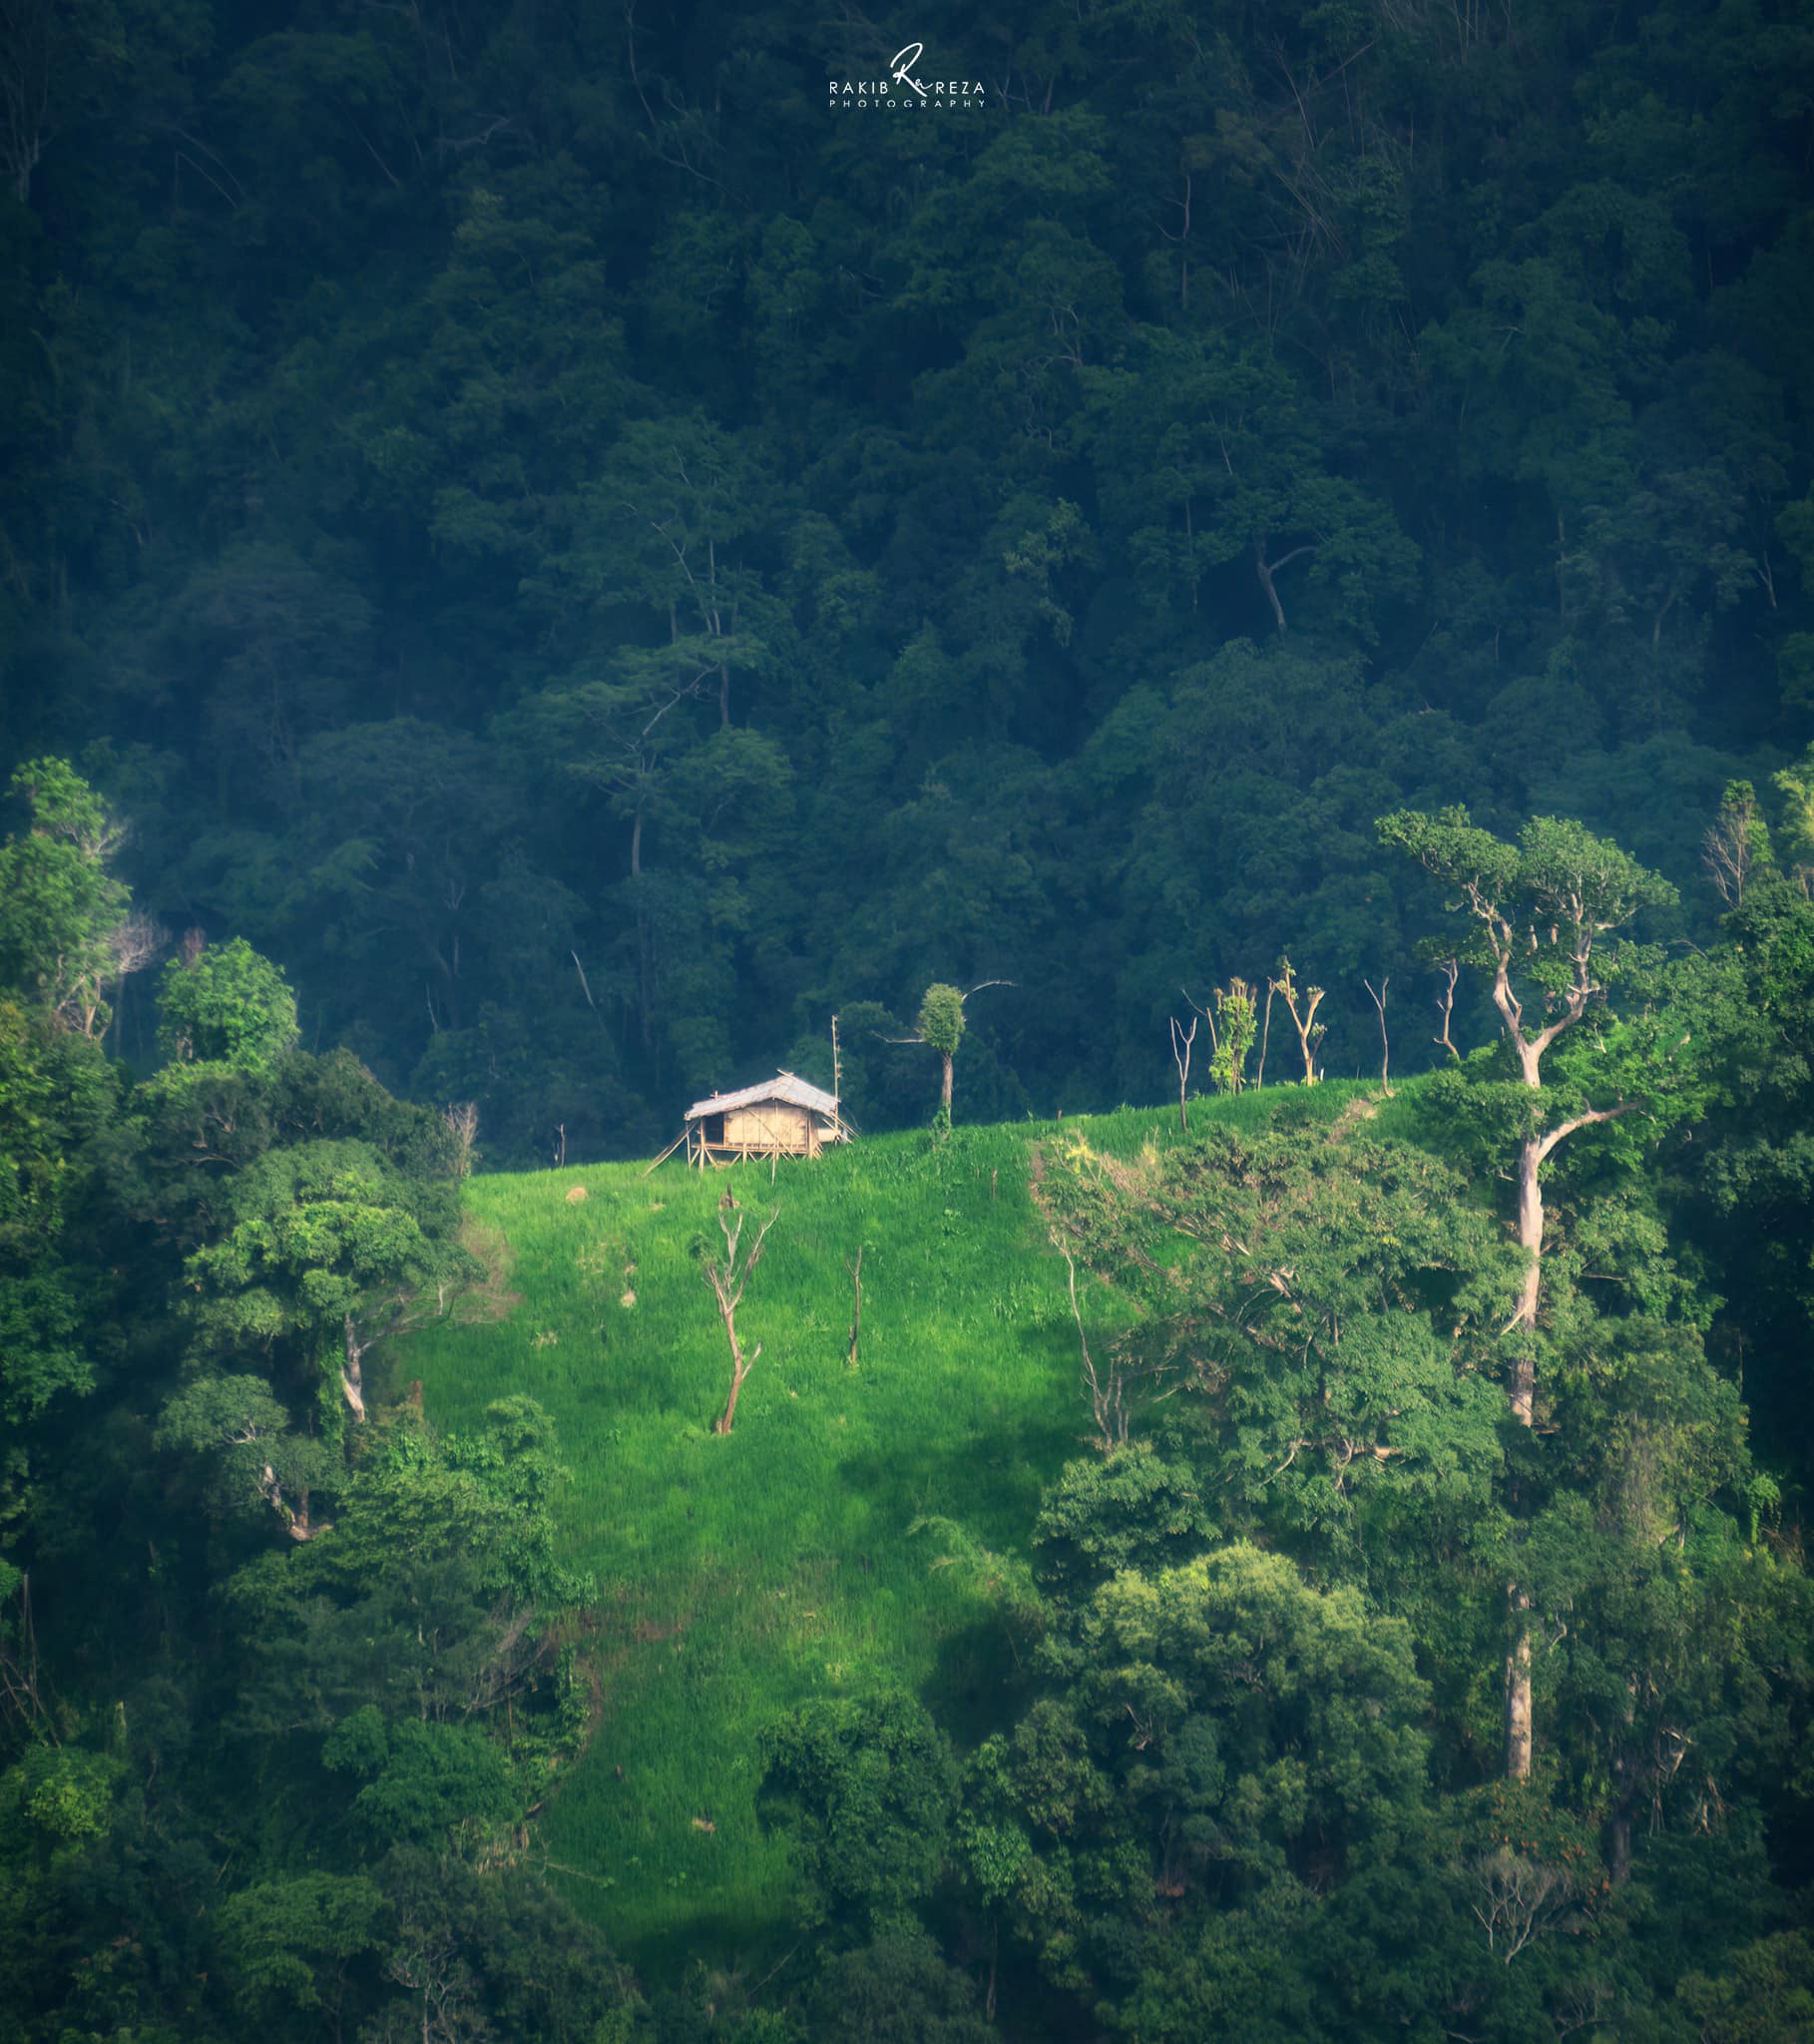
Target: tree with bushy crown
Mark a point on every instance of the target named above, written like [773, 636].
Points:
[865, 1790]
[940, 1023]
[59, 904]
[225, 1006]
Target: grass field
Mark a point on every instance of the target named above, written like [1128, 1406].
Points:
[739, 1576]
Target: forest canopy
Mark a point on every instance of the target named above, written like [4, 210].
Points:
[595, 562]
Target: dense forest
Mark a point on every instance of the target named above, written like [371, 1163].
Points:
[595, 560]
[543, 556]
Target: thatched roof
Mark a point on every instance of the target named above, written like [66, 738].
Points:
[783, 1085]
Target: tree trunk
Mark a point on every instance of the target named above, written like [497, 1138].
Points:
[1260, 1077]
[1531, 1241]
[1517, 1694]
[728, 1417]
[296, 1523]
[1619, 1848]
[1531, 1155]
[1263, 568]
[739, 1369]
[856, 1313]
[945, 1083]
[352, 1382]
[1523, 1403]
[728, 1283]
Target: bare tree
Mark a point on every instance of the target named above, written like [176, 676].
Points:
[1107, 1388]
[462, 1119]
[1309, 1029]
[136, 943]
[1518, 1898]
[133, 945]
[1734, 842]
[1450, 969]
[1267, 570]
[1385, 1045]
[857, 1311]
[425, 1961]
[1260, 1077]
[1181, 1040]
[728, 1280]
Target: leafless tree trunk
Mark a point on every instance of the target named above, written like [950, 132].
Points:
[462, 1119]
[1183, 237]
[1181, 1040]
[296, 1522]
[856, 1311]
[1260, 1077]
[1445, 1005]
[1728, 851]
[1108, 1400]
[727, 1282]
[1269, 570]
[1385, 1045]
[352, 1381]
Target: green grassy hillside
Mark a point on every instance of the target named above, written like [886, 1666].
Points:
[737, 1576]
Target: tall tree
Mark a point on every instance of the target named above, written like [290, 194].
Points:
[60, 903]
[1548, 920]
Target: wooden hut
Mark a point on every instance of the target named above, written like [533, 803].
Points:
[781, 1117]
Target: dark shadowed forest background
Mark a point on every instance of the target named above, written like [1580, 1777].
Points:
[543, 556]
[596, 562]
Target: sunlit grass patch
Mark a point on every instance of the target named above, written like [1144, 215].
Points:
[736, 1577]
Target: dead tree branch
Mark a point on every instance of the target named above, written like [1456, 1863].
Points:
[728, 1282]
[856, 1311]
[1385, 1045]
[1181, 1040]
[1450, 969]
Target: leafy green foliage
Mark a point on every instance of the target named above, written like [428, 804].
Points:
[940, 1021]
[591, 583]
[59, 902]
[286, 1943]
[866, 1792]
[1236, 1025]
[424, 1778]
[225, 1006]
[1131, 1509]
[897, 1989]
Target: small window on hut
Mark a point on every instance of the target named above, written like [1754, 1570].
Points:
[714, 1126]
